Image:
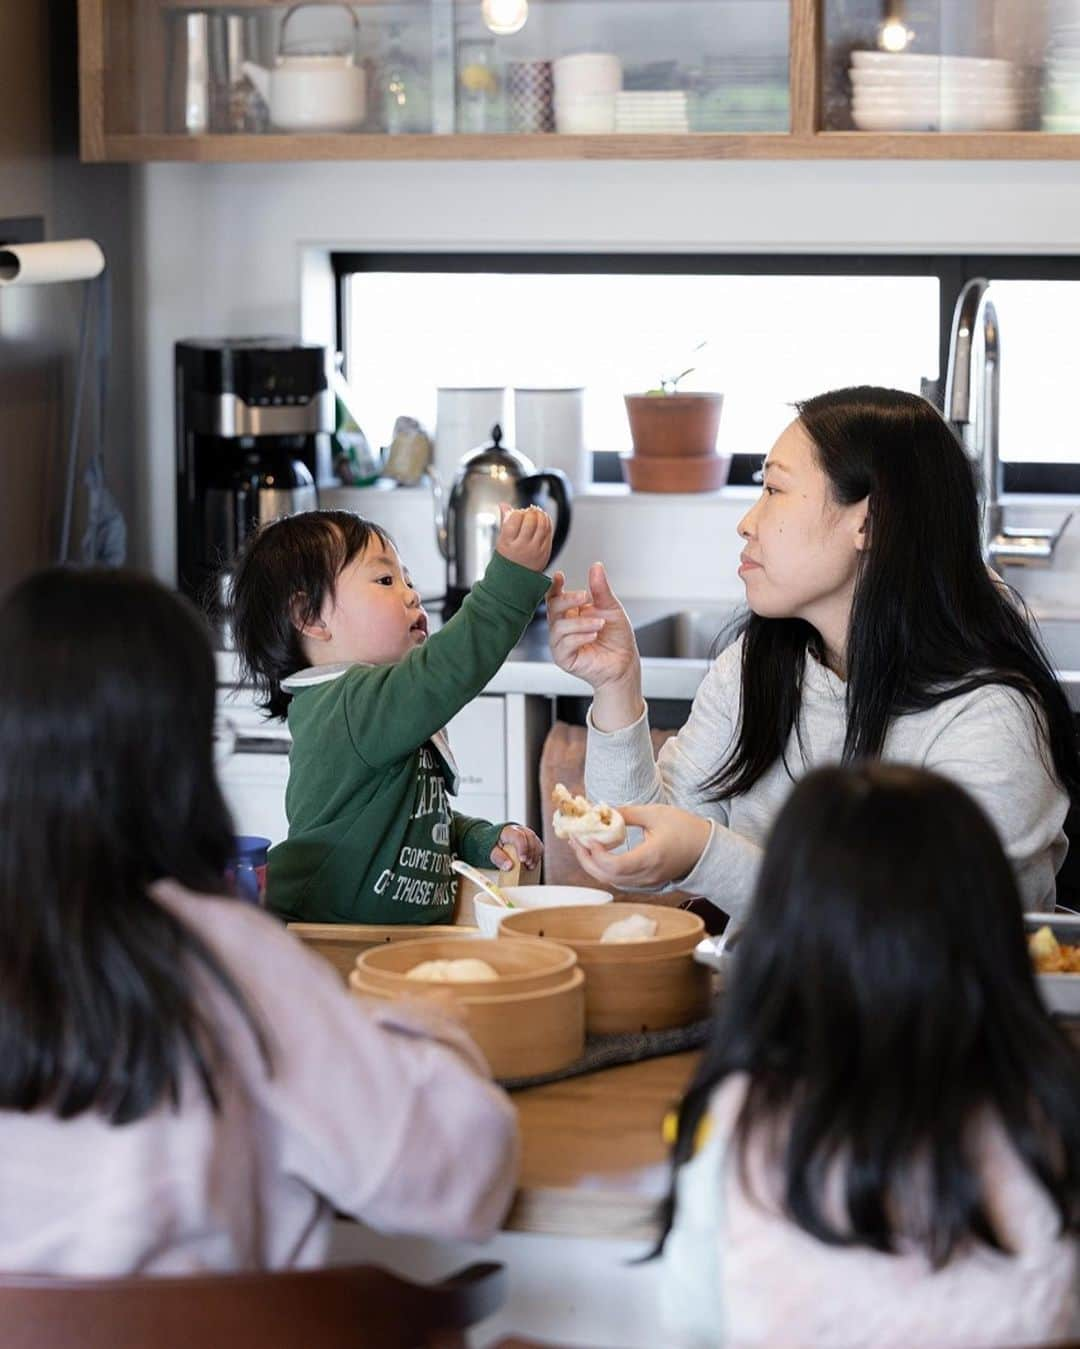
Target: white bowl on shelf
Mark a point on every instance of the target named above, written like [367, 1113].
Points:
[894, 119]
[925, 117]
[983, 88]
[946, 66]
[584, 114]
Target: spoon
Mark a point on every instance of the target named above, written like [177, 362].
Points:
[710, 950]
[481, 882]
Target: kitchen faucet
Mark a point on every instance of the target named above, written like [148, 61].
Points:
[971, 406]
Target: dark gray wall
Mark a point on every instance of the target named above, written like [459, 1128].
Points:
[40, 175]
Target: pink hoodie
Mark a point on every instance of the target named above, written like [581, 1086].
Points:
[385, 1113]
[739, 1273]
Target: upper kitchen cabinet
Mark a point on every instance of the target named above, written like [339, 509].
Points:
[579, 79]
[1001, 77]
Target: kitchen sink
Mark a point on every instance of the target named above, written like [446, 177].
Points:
[689, 634]
[692, 634]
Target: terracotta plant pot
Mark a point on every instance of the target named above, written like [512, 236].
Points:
[689, 473]
[681, 424]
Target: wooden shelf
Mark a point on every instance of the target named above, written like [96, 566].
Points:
[113, 98]
[766, 145]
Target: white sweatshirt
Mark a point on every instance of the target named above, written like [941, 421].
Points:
[988, 741]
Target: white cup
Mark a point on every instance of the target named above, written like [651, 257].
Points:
[463, 420]
[549, 427]
[585, 114]
[588, 73]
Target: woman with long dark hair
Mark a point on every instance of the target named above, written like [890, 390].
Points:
[874, 630]
[881, 1145]
[182, 1085]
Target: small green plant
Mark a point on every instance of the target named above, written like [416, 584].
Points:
[669, 384]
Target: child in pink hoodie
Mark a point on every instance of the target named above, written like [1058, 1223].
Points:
[183, 1086]
[882, 1144]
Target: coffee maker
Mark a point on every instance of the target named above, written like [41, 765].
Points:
[253, 417]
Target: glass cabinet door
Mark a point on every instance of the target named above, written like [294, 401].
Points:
[951, 65]
[445, 67]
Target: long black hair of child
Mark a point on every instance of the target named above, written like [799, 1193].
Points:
[928, 621]
[107, 784]
[285, 573]
[881, 1000]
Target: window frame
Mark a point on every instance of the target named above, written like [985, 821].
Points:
[953, 271]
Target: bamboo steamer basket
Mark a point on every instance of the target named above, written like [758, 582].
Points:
[647, 985]
[341, 943]
[521, 967]
[521, 1034]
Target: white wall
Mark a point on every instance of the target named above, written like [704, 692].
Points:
[220, 247]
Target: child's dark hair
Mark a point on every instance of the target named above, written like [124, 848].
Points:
[283, 576]
[882, 1000]
[107, 785]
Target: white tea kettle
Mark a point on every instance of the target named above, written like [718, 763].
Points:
[315, 87]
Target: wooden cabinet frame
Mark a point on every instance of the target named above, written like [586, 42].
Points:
[805, 140]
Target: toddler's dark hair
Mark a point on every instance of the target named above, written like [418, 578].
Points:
[283, 576]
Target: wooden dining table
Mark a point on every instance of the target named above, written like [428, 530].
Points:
[594, 1159]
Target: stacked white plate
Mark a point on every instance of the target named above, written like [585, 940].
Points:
[907, 91]
[657, 111]
[1061, 89]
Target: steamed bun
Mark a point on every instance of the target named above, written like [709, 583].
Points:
[576, 818]
[635, 928]
[452, 971]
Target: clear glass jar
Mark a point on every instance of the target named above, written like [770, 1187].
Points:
[405, 88]
[481, 108]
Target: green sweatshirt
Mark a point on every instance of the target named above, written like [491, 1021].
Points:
[371, 832]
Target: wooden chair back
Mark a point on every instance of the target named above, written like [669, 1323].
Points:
[357, 1307]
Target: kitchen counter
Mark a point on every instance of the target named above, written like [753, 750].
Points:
[529, 668]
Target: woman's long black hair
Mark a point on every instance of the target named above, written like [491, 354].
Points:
[882, 999]
[928, 621]
[107, 784]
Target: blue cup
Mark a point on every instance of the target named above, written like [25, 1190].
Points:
[246, 870]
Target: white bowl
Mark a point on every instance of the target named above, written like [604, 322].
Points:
[975, 85]
[489, 914]
[588, 73]
[946, 65]
[1060, 992]
[584, 114]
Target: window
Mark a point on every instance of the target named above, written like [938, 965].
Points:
[775, 329]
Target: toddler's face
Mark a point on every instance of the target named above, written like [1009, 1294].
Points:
[375, 615]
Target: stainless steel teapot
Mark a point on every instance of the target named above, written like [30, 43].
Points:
[468, 526]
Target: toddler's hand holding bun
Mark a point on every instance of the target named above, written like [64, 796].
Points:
[525, 537]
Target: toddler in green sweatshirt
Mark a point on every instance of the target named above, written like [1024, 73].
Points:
[331, 631]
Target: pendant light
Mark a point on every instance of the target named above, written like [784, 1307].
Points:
[504, 17]
[893, 34]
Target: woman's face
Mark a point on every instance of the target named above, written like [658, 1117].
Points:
[801, 547]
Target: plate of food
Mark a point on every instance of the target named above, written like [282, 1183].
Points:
[1054, 944]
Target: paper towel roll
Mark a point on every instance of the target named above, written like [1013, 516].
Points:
[40, 264]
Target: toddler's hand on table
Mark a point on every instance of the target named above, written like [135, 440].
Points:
[673, 843]
[525, 536]
[524, 842]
